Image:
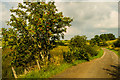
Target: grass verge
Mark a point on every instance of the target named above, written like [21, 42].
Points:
[53, 69]
[100, 53]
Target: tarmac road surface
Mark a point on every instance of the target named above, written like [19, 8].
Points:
[98, 68]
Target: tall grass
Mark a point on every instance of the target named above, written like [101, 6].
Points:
[46, 73]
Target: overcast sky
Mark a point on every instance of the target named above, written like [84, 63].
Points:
[89, 18]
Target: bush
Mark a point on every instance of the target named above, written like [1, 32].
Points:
[68, 57]
[60, 43]
[78, 41]
[79, 50]
[91, 50]
[103, 44]
[117, 43]
[77, 46]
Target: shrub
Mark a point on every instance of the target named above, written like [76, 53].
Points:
[68, 57]
[60, 43]
[79, 50]
[91, 50]
[117, 43]
[77, 46]
[78, 41]
[103, 44]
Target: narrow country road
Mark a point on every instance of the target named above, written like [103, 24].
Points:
[0, 63]
[98, 68]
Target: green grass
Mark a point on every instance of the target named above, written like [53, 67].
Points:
[46, 73]
[6, 69]
[100, 53]
[53, 69]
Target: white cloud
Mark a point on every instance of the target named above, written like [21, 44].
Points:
[3, 13]
[109, 22]
[90, 17]
[86, 0]
[103, 30]
[72, 30]
[90, 12]
[98, 15]
[87, 16]
[12, 0]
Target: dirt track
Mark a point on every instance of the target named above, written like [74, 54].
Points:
[98, 68]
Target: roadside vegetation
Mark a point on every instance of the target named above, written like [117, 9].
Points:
[32, 47]
[114, 46]
[60, 60]
[107, 41]
[53, 69]
[0, 37]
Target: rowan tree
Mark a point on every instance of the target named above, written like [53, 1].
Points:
[34, 28]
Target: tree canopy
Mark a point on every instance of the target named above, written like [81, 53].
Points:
[102, 38]
[34, 28]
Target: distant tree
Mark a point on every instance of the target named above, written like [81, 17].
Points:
[106, 37]
[102, 36]
[78, 41]
[103, 43]
[100, 40]
[111, 36]
[77, 47]
[117, 43]
[97, 39]
[93, 42]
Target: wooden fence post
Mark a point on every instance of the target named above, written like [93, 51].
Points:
[13, 70]
[38, 64]
[42, 56]
[25, 71]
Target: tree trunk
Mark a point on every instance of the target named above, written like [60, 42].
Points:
[25, 71]
[14, 72]
[42, 56]
[48, 56]
[38, 64]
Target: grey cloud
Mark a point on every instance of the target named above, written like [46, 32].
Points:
[90, 17]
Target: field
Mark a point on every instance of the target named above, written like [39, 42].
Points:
[111, 41]
[110, 45]
[114, 49]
